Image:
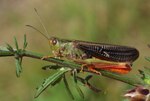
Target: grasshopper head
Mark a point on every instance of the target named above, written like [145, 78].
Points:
[54, 43]
[60, 47]
[54, 46]
[57, 46]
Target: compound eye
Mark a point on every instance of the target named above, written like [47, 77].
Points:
[53, 41]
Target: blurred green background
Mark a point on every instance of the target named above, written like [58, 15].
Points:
[123, 22]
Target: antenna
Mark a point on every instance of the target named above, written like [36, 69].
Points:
[38, 31]
[39, 18]
[41, 22]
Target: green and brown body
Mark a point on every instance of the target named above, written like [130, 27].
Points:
[114, 58]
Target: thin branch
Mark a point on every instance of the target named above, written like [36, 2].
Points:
[123, 78]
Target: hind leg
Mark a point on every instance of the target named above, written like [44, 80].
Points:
[90, 68]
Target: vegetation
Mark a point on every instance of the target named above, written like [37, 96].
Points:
[116, 22]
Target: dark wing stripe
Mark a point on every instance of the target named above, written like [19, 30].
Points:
[110, 52]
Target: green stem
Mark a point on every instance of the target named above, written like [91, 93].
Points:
[123, 78]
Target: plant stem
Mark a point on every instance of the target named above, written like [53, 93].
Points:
[123, 78]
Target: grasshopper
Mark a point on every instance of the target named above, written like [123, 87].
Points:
[93, 56]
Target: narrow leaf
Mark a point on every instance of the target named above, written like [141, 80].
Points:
[18, 68]
[86, 83]
[56, 82]
[50, 81]
[93, 88]
[83, 81]
[20, 60]
[25, 42]
[79, 91]
[76, 85]
[75, 76]
[88, 77]
[16, 43]
[9, 48]
[67, 87]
